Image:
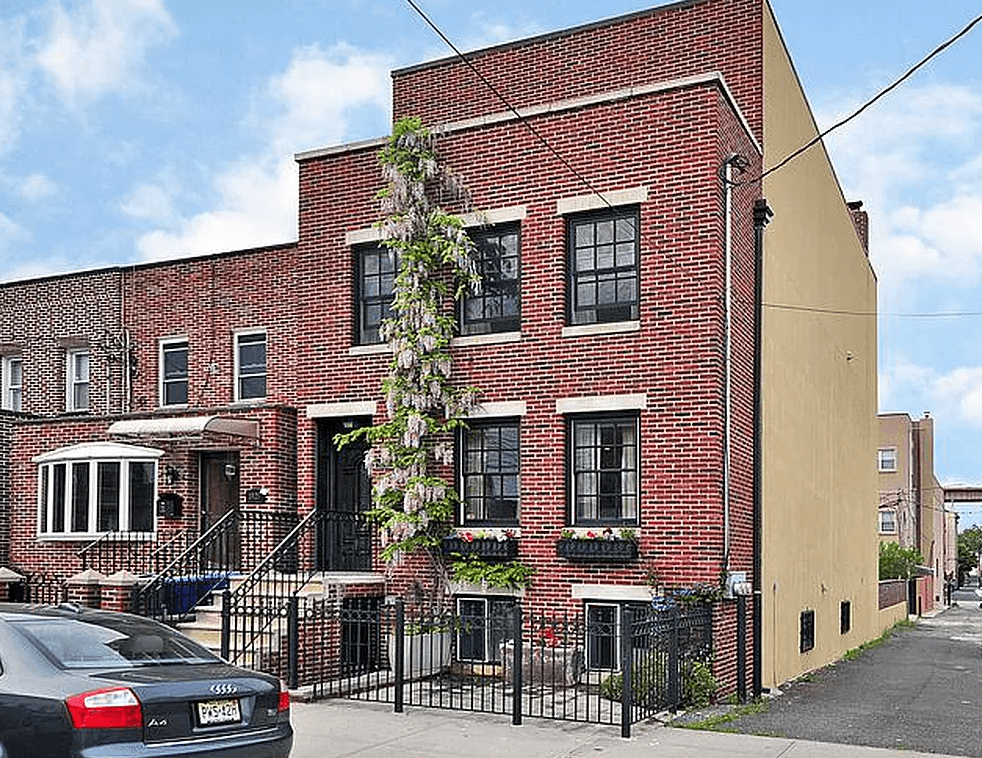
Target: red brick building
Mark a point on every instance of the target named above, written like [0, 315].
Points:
[615, 351]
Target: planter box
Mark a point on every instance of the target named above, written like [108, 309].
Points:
[426, 654]
[559, 666]
[597, 550]
[484, 547]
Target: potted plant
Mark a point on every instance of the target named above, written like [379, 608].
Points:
[501, 546]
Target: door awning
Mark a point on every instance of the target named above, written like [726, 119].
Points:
[185, 426]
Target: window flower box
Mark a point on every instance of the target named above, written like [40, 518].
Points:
[488, 548]
[575, 549]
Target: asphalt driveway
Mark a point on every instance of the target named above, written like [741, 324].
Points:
[920, 690]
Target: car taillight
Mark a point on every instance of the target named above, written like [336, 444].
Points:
[105, 709]
[284, 701]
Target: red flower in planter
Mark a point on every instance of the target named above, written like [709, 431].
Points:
[550, 638]
[467, 537]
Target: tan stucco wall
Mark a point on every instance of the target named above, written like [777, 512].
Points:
[819, 485]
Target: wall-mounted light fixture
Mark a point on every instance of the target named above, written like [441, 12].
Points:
[171, 474]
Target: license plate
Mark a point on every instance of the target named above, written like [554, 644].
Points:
[219, 712]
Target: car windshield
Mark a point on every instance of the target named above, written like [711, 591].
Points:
[121, 641]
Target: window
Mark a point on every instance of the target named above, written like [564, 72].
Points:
[250, 366]
[496, 307]
[77, 383]
[604, 476]
[806, 636]
[845, 616]
[888, 521]
[376, 288]
[174, 373]
[603, 633]
[13, 383]
[489, 473]
[94, 488]
[603, 266]
[887, 459]
[484, 624]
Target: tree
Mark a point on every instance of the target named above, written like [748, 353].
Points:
[897, 562]
[969, 545]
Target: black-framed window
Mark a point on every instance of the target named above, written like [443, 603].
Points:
[603, 632]
[496, 308]
[604, 256]
[845, 616]
[483, 625]
[174, 373]
[250, 365]
[604, 468]
[376, 271]
[806, 634]
[490, 460]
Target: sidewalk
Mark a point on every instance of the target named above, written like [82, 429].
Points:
[341, 728]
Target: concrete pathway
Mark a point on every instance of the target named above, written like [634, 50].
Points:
[339, 729]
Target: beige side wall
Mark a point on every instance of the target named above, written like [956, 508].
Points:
[896, 487]
[819, 496]
[890, 616]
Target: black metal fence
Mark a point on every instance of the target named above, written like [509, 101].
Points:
[490, 656]
[41, 588]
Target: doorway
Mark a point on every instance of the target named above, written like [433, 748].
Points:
[219, 495]
[344, 497]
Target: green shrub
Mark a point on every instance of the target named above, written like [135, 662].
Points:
[647, 681]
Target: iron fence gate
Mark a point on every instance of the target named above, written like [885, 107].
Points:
[488, 655]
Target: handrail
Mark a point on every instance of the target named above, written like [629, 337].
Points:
[240, 607]
[154, 589]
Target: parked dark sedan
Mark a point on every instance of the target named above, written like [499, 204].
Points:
[80, 683]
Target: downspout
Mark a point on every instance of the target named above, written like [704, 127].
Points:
[762, 216]
[726, 175]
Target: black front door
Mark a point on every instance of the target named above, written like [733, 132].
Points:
[344, 496]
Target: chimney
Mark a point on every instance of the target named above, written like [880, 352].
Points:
[860, 219]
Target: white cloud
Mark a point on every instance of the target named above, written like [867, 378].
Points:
[311, 104]
[955, 395]
[101, 46]
[36, 187]
[315, 96]
[10, 231]
[151, 201]
[13, 80]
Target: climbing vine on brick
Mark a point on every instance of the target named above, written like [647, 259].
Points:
[434, 266]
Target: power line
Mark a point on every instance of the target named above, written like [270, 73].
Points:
[882, 93]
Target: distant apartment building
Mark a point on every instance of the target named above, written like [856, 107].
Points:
[912, 509]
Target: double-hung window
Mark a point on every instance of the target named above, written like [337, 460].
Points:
[13, 382]
[496, 307]
[174, 372]
[888, 521]
[604, 469]
[96, 488]
[489, 473]
[77, 382]
[886, 459]
[376, 271]
[604, 257]
[250, 366]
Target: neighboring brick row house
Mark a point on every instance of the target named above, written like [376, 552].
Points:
[615, 351]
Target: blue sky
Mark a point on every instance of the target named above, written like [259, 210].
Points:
[135, 130]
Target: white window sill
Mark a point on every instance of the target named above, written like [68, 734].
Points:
[380, 349]
[494, 338]
[92, 536]
[593, 330]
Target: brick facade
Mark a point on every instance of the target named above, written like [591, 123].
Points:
[650, 106]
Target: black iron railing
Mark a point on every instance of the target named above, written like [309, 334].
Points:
[132, 551]
[230, 546]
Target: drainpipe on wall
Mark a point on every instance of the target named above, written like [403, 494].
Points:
[762, 216]
[726, 175]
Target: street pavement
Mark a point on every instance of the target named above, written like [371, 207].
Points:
[919, 691]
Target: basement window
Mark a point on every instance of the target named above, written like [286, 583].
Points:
[845, 616]
[806, 632]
